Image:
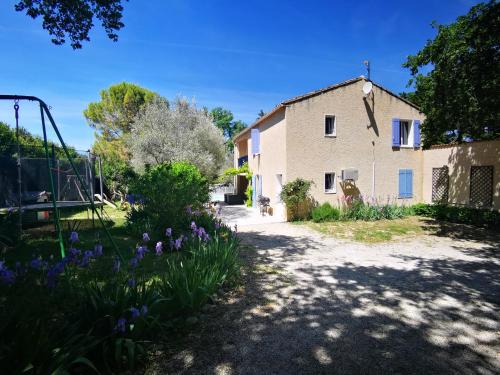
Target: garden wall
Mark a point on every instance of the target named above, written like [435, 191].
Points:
[466, 174]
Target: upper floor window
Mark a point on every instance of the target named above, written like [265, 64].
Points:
[330, 128]
[404, 132]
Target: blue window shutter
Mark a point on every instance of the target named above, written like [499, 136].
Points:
[255, 141]
[405, 183]
[402, 183]
[416, 133]
[396, 137]
[409, 183]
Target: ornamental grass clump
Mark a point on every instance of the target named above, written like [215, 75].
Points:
[92, 311]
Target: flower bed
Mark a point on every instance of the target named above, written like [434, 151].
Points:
[95, 311]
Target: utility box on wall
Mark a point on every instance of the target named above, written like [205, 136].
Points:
[349, 174]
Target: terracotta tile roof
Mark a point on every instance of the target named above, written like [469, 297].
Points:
[311, 94]
[464, 143]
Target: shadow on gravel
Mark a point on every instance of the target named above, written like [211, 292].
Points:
[439, 316]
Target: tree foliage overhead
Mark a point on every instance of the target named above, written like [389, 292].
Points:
[224, 120]
[74, 19]
[181, 132]
[456, 77]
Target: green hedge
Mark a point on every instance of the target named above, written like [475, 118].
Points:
[458, 214]
[325, 212]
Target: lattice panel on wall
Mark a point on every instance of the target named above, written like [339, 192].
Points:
[440, 183]
[481, 185]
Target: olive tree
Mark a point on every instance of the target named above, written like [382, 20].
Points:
[179, 131]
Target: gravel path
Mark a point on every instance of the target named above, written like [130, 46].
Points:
[316, 305]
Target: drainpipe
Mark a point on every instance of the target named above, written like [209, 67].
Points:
[373, 170]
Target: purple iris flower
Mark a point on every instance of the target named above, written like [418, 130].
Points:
[141, 251]
[178, 243]
[196, 213]
[7, 277]
[193, 225]
[189, 210]
[168, 232]
[120, 325]
[145, 237]
[130, 198]
[134, 312]
[217, 225]
[131, 283]
[98, 250]
[73, 237]
[134, 262]
[36, 264]
[159, 248]
[144, 310]
[116, 265]
[53, 273]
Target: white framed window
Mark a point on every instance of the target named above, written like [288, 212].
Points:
[330, 126]
[406, 133]
[330, 182]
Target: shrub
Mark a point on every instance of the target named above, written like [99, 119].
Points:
[358, 209]
[165, 195]
[458, 214]
[295, 195]
[325, 212]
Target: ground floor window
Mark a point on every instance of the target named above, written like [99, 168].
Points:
[405, 183]
[330, 182]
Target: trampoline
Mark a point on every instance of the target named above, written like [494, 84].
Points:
[50, 183]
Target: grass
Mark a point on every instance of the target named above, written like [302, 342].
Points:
[372, 231]
[42, 240]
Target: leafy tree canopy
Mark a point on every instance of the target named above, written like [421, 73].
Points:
[181, 132]
[73, 19]
[31, 145]
[261, 114]
[224, 120]
[456, 78]
[113, 115]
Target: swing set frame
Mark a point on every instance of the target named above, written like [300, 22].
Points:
[45, 112]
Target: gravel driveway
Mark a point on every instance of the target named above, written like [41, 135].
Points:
[317, 305]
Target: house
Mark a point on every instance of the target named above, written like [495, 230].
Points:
[353, 138]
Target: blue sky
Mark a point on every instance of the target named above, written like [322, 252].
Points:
[241, 55]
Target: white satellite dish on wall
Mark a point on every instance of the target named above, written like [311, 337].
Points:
[367, 87]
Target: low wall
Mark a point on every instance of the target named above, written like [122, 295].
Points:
[459, 159]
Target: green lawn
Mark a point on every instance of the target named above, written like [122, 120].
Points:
[42, 240]
[371, 231]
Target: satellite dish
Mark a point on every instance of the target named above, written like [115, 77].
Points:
[367, 87]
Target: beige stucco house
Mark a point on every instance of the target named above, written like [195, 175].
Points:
[352, 138]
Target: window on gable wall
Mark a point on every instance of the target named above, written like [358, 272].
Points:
[404, 131]
[330, 125]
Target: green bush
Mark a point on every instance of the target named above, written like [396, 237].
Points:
[164, 195]
[325, 212]
[357, 209]
[458, 214]
[295, 195]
